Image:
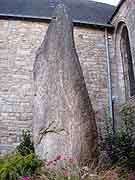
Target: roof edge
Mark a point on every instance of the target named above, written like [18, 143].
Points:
[48, 19]
[117, 9]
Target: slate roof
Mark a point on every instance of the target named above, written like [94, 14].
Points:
[84, 11]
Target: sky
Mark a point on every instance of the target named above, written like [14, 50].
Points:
[113, 2]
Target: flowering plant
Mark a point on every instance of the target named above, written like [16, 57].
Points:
[25, 178]
[68, 168]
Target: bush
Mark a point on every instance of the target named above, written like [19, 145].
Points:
[21, 164]
[26, 145]
[15, 166]
[120, 145]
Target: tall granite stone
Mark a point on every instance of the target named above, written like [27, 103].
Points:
[61, 95]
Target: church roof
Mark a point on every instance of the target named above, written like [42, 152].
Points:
[117, 9]
[82, 11]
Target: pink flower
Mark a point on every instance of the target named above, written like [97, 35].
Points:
[71, 160]
[25, 178]
[66, 170]
[58, 157]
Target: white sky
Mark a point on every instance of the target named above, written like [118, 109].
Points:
[113, 2]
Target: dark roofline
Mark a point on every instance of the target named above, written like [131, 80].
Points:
[48, 19]
[117, 9]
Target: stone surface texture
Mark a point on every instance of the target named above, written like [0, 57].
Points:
[19, 41]
[125, 15]
[61, 95]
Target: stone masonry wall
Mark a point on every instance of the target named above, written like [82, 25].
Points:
[126, 15]
[19, 41]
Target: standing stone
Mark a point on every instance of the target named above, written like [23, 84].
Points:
[61, 95]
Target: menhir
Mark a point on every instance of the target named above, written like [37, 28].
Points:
[61, 95]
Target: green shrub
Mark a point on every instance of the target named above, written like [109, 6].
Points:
[120, 145]
[21, 164]
[15, 166]
[26, 145]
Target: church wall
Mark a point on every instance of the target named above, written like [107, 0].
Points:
[19, 41]
[126, 15]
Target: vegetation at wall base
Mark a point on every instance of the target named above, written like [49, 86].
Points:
[14, 166]
[119, 145]
[22, 163]
[26, 145]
